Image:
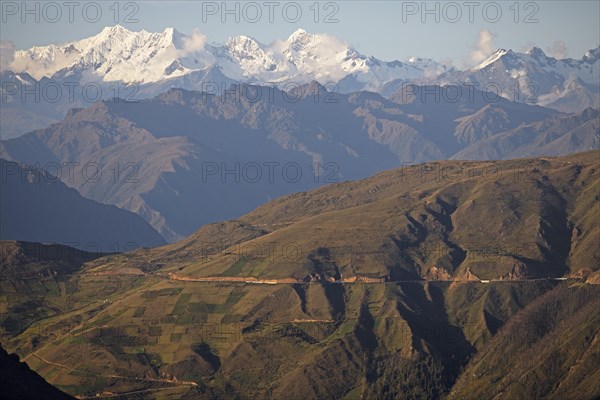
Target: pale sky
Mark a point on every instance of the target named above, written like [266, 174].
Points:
[385, 29]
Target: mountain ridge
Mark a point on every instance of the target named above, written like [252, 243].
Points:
[138, 65]
[183, 136]
[299, 58]
[296, 59]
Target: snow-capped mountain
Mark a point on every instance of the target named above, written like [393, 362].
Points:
[534, 77]
[172, 136]
[118, 54]
[146, 64]
[585, 69]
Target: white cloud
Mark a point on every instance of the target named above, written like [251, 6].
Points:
[46, 65]
[433, 72]
[483, 48]
[194, 43]
[558, 50]
[7, 54]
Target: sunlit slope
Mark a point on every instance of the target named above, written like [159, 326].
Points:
[549, 350]
[312, 340]
[282, 315]
[507, 219]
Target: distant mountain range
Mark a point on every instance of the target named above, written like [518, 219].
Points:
[119, 55]
[127, 64]
[179, 146]
[567, 85]
[216, 130]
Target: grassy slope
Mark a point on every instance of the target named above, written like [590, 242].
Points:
[548, 350]
[530, 217]
[410, 340]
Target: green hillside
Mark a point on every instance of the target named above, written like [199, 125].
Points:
[429, 281]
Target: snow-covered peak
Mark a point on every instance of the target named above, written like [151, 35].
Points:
[113, 36]
[243, 44]
[527, 67]
[298, 35]
[169, 32]
[114, 54]
[491, 59]
[592, 55]
[114, 30]
[423, 63]
[118, 54]
[536, 52]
